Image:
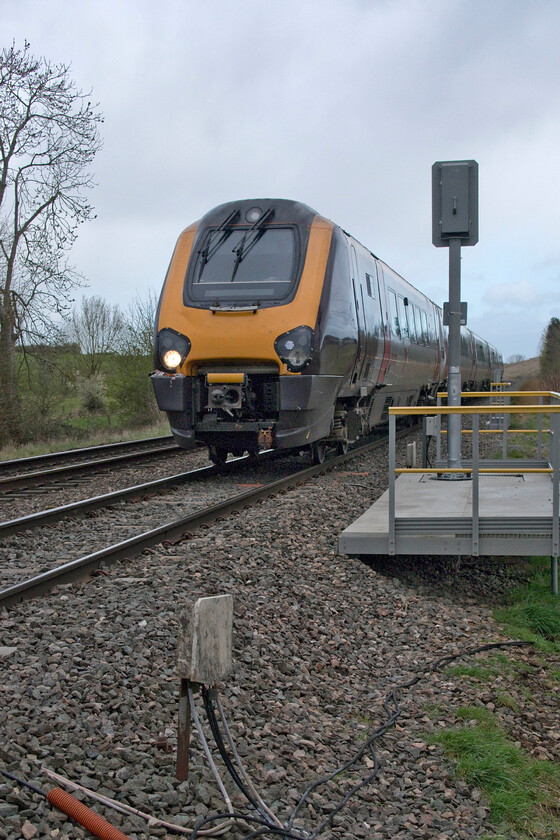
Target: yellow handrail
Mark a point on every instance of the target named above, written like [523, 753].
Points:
[474, 409]
[509, 470]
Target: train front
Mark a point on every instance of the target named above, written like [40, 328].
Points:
[236, 345]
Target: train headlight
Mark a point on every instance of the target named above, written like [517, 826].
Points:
[295, 348]
[173, 349]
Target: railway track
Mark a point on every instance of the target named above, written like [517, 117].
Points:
[38, 477]
[174, 530]
[34, 461]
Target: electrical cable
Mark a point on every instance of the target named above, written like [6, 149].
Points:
[206, 748]
[266, 828]
[75, 809]
[266, 823]
[392, 715]
[237, 759]
[123, 808]
[227, 761]
[392, 709]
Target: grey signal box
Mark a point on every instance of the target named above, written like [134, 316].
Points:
[455, 202]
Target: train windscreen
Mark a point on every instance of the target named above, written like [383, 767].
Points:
[242, 266]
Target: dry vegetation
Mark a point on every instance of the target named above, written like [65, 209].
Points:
[520, 373]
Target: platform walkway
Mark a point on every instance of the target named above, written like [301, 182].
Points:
[487, 507]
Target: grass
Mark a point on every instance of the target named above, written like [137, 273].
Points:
[533, 612]
[522, 791]
[480, 673]
[90, 437]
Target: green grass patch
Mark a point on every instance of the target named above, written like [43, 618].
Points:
[522, 791]
[504, 699]
[480, 673]
[532, 612]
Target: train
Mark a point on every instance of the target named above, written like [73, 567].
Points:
[276, 329]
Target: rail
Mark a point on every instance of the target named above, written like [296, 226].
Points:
[477, 467]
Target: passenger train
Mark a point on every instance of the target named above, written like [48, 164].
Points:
[277, 329]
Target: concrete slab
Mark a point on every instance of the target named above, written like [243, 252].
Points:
[434, 516]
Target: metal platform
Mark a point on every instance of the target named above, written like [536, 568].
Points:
[434, 516]
[484, 507]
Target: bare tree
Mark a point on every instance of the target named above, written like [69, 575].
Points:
[48, 137]
[139, 325]
[97, 326]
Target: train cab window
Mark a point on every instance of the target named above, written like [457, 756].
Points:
[369, 284]
[394, 315]
[245, 265]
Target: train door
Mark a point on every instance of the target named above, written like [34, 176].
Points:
[385, 328]
[360, 315]
[375, 337]
[398, 348]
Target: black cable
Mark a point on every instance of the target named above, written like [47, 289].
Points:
[392, 715]
[249, 818]
[214, 726]
[391, 706]
[24, 783]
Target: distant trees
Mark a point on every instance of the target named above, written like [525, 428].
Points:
[550, 347]
[550, 355]
[131, 390]
[114, 356]
[48, 137]
[97, 327]
[516, 357]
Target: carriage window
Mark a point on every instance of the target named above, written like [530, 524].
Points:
[412, 323]
[369, 284]
[403, 318]
[394, 317]
[425, 333]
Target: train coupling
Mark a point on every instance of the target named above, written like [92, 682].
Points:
[265, 438]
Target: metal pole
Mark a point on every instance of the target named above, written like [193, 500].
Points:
[454, 376]
[392, 464]
[475, 487]
[555, 459]
[438, 434]
[539, 436]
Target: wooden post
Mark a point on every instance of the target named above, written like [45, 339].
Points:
[183, 733]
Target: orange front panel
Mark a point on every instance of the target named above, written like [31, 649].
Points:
[243, 336]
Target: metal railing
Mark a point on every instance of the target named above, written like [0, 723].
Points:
[476, 468]
[500, 399]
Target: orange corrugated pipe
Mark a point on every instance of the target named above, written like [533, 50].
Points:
[84, 815]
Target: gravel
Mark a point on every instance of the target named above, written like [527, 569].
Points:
[89, 686]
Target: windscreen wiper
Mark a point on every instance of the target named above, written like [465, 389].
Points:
[256, 231]
[222, 232]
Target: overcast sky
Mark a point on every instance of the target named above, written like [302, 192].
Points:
[342, 104]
